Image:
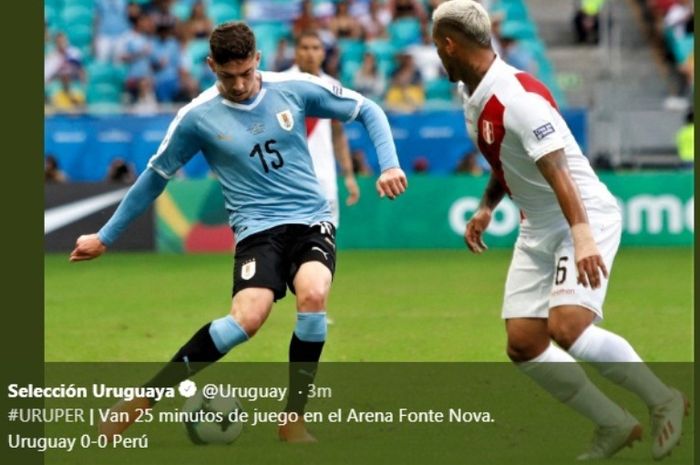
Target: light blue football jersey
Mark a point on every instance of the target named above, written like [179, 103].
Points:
[257, 149]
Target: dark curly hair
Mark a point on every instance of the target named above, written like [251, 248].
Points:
[232, 41]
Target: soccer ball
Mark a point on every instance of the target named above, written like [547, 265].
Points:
[209, 421]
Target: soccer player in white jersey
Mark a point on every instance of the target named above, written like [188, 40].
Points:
[250, 127]
[327, 140]
[568, 238]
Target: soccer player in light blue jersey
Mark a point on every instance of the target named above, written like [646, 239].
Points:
[251, 129]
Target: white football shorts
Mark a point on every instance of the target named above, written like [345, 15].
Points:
[542, 273]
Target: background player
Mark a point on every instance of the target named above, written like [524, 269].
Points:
[250, 128]
[567, 242]
[326, 138]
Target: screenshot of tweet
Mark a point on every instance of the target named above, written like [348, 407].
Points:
[480, 413]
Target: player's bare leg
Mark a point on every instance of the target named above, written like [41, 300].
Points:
[312, 284]
[249, 309]
[530, 347]
[573, 329]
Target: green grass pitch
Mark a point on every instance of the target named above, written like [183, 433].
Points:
[429, 305]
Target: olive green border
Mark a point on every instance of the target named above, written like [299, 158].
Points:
[22, 194]
[22, 204]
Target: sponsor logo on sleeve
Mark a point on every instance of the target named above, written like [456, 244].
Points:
[543, 131]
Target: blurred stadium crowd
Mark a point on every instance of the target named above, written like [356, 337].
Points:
[672, 20]
[145, 55]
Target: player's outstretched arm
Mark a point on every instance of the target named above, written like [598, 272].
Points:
[392, 182]
[342, 104]
[589, 261]
[147, 188]
[473, 233]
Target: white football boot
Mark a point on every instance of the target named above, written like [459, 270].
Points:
[667, 424]
[607, 441]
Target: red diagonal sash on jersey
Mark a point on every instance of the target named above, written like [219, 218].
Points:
[530, 84]
[490, 131]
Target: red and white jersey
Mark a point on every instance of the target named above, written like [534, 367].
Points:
[514, 120]
[320, 141]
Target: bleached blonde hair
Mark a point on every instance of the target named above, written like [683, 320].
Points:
[466, 16]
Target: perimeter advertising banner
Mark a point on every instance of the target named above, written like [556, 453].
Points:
[658, 210]
[191, 217]
[84, 145]
[72, 209]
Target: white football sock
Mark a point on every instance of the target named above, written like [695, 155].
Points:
[615, 358]
[559, 374]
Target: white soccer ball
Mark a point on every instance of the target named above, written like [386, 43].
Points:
[212, 421]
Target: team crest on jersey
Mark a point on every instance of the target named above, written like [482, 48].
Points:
[286, 120]
[487, 132]
[248, 270]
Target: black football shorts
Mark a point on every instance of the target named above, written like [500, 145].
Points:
[271, 258]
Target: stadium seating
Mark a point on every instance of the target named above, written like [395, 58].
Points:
[80, 35]
[347, 72]
[105, 84]
[181, 11]
[103, 93]
[197, 50]
[76, 18]
[439, 90]
[235, 3]
[73, 15]
[514, 10]
[222, 12]
[384, 51]
[88, 4]
[50, 14]
[520, 30]
[404, 32]
[268, 35]
[351, 49]
[100, 72]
